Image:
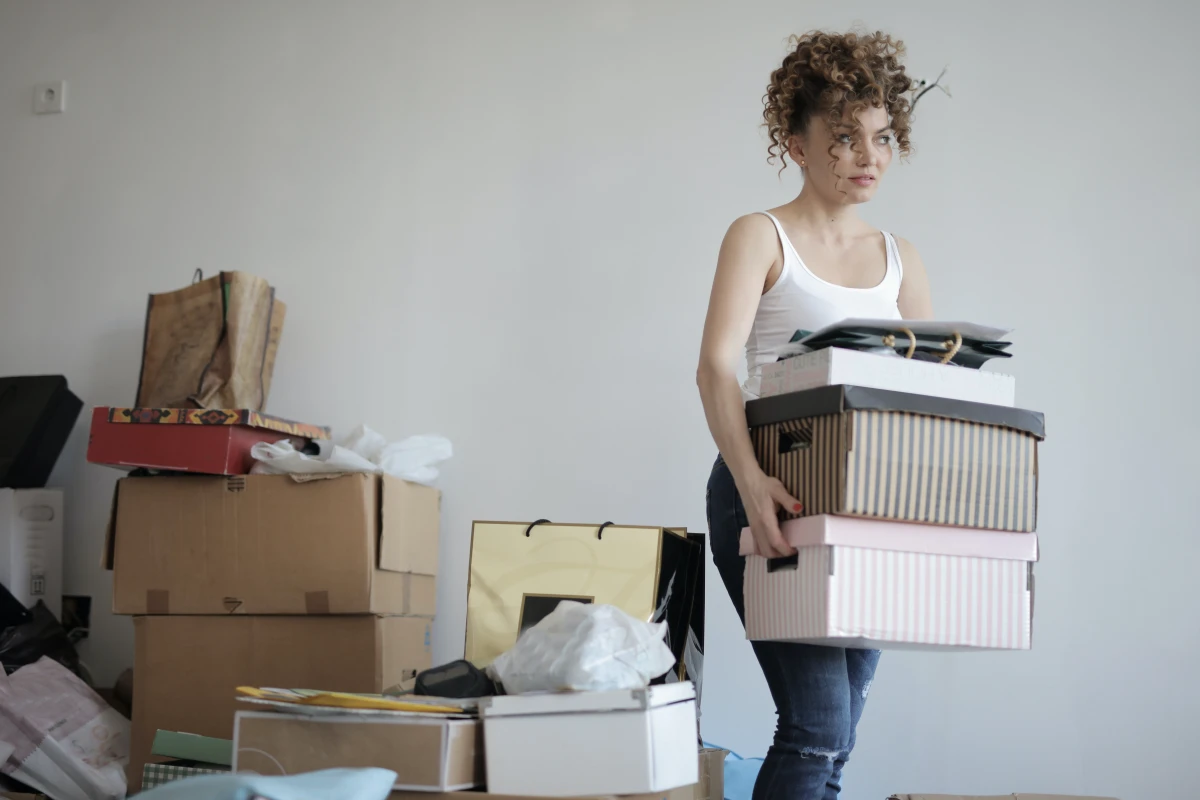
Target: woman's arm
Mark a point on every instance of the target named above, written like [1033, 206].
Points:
[748, 254]
[915, 302]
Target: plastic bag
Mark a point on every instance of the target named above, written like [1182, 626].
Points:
[584, 647]
[59, 737]
[364, 450]
[41, 636]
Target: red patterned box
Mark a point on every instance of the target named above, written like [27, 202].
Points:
[202, 440]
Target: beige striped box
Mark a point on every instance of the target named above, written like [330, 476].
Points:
[891, 455]
[863, 583]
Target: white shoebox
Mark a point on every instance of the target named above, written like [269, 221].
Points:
[577, 744]
[836, 365]
[31, 546]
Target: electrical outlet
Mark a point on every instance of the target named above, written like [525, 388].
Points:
[50, 98]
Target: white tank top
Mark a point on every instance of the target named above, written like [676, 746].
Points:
[800, 300]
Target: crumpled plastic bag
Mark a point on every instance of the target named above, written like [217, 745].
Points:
[59, 737]
[364, 450]
[584, 647]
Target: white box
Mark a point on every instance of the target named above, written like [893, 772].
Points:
[574, 744]
[832, 366]
[887, 585]
[31, 545]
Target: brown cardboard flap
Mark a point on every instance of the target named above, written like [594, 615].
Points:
[408, 540]
[106, 556]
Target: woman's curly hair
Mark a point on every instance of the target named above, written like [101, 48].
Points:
[830, 73]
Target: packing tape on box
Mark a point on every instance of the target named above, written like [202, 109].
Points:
[158, 601]
[316, 602]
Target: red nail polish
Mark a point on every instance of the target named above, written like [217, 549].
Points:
[797, 508]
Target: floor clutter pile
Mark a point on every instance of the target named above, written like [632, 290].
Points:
[283, 588]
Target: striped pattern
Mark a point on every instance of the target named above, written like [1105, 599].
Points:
[155, 775]
[885, 598]
[905, 466]
[815, 470]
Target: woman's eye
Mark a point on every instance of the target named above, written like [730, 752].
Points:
[844, 138]
[885, 140]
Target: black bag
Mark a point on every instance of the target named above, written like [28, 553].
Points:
[458, 679]
[948, 347]
[37, 414]
[41, 636]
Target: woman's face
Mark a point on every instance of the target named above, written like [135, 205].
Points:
[862, 152]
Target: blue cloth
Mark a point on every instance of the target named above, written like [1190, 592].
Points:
[819, 692]
[328, 784]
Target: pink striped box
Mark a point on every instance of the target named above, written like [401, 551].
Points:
[888, 585]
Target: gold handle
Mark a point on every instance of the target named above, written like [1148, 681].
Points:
[952, 347]
[889, 340]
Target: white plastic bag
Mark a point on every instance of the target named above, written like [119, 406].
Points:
[363, 450]
[584, 647]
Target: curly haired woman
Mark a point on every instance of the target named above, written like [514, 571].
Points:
[838, 108]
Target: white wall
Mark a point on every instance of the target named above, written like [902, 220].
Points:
[498, 221]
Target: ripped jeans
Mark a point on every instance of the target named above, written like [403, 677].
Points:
[819, 692]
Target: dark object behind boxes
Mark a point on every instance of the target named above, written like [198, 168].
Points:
[891, 455]
[204, 441]
[211, 344]
[37, 414]
[41, 636]
[457, 679]
[187, 668]
[267, 544]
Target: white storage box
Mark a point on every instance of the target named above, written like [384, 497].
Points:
[888, 585]
[31, 545]
[575, 744]
[835, 365]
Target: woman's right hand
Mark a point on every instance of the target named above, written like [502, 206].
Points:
[762, 497]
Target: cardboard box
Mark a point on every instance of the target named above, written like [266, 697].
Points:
[31, 546]
[586, 743]
[267, 544]
[187, 668]
[520, 572]
[711, 785]
[207, 441]
[995, 797]
[427, 752]
[836, 365]
[906, 457]
[871, 584]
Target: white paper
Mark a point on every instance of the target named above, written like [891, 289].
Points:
[364, 450]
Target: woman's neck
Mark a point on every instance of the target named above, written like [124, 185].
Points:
[828, 221]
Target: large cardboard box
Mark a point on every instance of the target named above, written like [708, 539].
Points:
[520, 572]
[837, 365]
[871, 584]
[206, 441]
[31, 546]
[187, 668]
[911, 458]
[269, 544]
[584, 743]
[427, 752]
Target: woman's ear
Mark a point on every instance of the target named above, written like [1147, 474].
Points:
[796, 147]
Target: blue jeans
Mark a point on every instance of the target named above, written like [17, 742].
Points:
[819, 692]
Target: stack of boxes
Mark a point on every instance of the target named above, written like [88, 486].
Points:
[919, 488]
[266, 580]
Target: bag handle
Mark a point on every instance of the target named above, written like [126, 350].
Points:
[535, 523]
[951, 346]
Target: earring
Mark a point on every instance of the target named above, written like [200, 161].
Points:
[802, 163]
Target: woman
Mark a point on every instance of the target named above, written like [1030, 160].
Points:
[837, 107]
